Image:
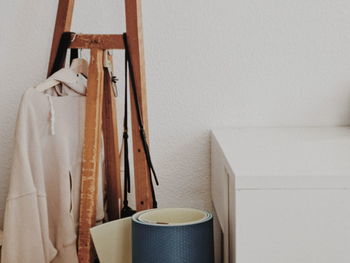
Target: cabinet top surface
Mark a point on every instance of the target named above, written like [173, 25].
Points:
[319, 151]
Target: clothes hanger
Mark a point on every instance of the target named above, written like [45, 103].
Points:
[80, 65]
[65, 76]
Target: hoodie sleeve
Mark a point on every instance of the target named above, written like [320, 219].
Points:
[26, 232]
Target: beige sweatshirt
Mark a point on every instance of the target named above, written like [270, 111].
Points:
[43, 201]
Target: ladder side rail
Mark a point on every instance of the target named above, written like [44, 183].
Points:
[91, 155]
[143, 190]
[63, 24]
[111, 148]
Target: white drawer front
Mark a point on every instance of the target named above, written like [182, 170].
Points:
[292, 226]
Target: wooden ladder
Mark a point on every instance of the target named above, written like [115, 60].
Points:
[100, 117]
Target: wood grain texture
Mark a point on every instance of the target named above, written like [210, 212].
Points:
[135, 39]
[63, 24]
[111, 148]
[102, 41]
[97, 109]
[91, 155]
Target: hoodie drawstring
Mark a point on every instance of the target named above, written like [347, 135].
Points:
[52, 116]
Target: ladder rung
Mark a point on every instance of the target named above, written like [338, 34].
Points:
[105, 41]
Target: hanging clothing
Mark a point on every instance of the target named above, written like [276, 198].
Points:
[42, 207]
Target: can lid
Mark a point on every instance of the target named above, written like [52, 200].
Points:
[172, 216]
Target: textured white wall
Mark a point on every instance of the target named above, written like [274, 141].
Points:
[209, 63]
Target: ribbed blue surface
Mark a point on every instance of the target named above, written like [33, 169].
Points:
[172, 244]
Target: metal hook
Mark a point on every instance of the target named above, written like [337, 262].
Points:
[73, 37]
[107, 63]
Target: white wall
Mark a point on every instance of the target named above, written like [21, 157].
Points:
[209, 63]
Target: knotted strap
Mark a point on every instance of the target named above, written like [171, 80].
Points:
[151, 170]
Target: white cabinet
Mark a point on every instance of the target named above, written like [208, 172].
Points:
[282, 195]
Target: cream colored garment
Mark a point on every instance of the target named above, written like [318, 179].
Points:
[43, 202]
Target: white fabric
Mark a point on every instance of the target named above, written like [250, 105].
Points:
[42, 207]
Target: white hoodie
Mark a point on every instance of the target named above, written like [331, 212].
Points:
[42, 207]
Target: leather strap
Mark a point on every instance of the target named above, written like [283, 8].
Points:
[126, 210]
[139, 120]
[61, 54]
